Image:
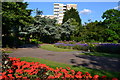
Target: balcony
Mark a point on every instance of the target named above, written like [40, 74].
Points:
[56, 10]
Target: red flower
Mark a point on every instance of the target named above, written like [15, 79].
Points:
[83, 75]
[79, 72]
[114, 79]
[5, 77]
[96, 76]
[58, 75]
[18, 64]
[32, 68]
[24, 78]
[87, 73]
[64, 70]
[1, 77]
[28, 71]
[26, 66]
[19, 71]
[104, 76]
[73, 72]
[14, 59]
[71, 76]
[51, 69]
[51, 77]
[17, 76]
[57, 70]
[9, 70]
[68, 68]
[78, 76]
[67, 76]
[10, 75]
[90, 76]
[3, 73]
[12, 78]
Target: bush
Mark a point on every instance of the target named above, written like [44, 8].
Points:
[93, 47]
[10, 41]
[108, 48]
[81, 47]
[35, 41]
[6, 64]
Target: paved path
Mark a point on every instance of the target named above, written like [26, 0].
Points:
[112, 64]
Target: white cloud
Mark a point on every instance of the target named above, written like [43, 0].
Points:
[85, 11]
[118, 7]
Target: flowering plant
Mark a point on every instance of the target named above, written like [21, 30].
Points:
[22, 70]
[93, 47]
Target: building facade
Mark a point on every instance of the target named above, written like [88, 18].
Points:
[59, 10]
[48, 16]
[119, 5]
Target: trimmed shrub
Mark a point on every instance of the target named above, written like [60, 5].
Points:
[93, 47]
[108, 48]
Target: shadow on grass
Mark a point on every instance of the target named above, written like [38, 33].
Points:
[95, 62]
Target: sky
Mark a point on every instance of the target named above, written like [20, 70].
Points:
[72, 0]
[87, 10]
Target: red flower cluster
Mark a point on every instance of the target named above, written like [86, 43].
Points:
[22, 70]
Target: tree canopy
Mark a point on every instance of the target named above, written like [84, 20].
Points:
[18, 25]
[14, 16]
[72, 13]
[112, 23]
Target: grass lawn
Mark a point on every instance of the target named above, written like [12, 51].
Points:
[7, 52]
[82, 69]
[101, 54]
[51, 47]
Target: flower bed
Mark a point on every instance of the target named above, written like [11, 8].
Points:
[77, 46]
[93, 47]
[14, 69]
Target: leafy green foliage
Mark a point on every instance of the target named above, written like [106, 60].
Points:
[112, 24]
[38, 12]
[72, 13]
[14, 16]
[35, 41]
[91, 31]
[106, 31]
[68, 29]
[18, 24]
[44, 29]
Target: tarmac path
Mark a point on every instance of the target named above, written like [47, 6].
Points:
[73, 58]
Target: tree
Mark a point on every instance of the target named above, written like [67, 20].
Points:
[14, 16]
[38, 12]
[68, 29]
[72, 13]
[112, 23]
[92, 31]
[44, 29]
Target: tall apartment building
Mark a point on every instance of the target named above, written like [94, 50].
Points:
[119, 5]
[48, 16]
[59, 10]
